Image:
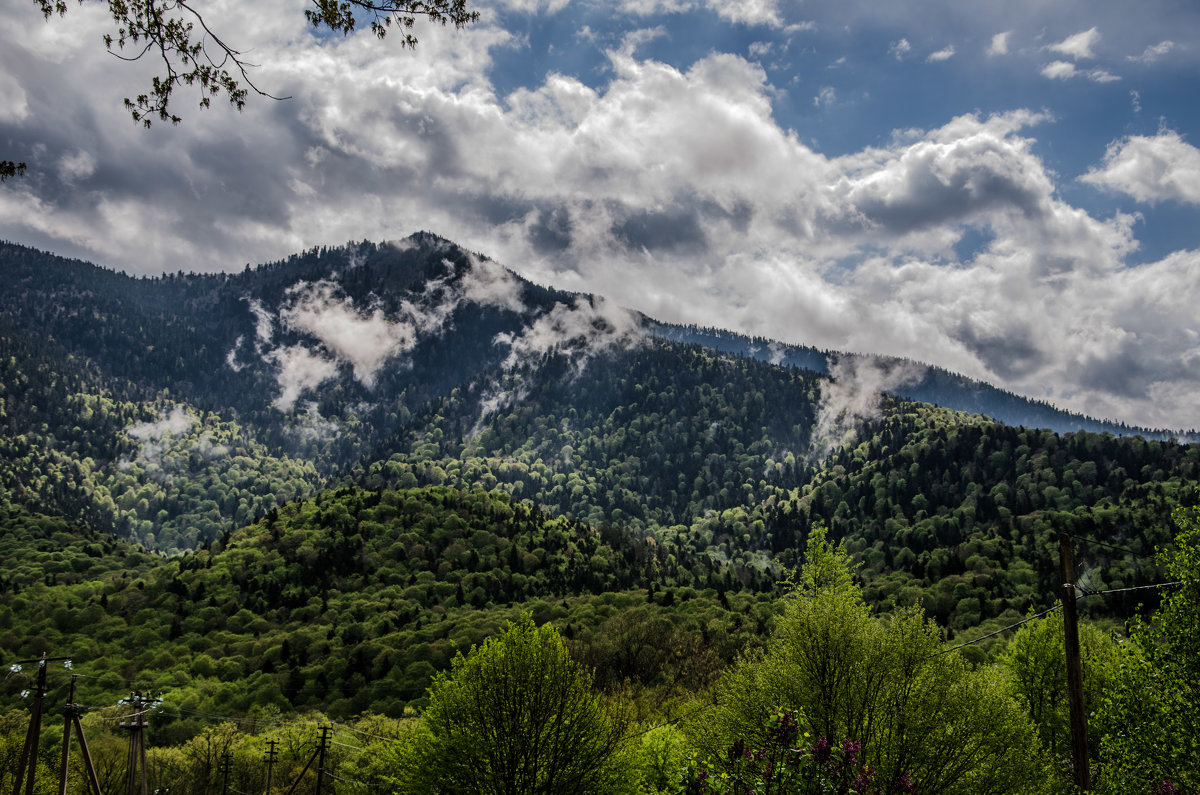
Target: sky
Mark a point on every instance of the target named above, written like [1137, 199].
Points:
[1008, 190]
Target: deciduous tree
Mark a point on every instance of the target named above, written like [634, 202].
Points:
[515, 715]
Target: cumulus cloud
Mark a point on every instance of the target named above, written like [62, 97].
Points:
[1153, 52]
[900, 49]
[943, 54]
[1079, 45]
[748, 12]
[1065, 70]
[999, 45]
[1151, 168]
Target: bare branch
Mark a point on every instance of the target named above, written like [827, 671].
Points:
[10, 169]
[194, 55]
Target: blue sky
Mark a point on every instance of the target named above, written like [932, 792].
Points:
[1009, 190]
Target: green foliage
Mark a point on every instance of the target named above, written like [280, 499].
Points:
[788, 765]
[1037, 664]
[884, 682]
[353, 601]
[515, 715]
[1152, 712]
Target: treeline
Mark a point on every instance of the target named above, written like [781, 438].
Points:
[351, 602]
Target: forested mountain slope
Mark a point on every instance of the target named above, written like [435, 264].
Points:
[171, 411]
[351, 601]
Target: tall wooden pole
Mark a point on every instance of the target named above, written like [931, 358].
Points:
[27, 767]
[66, 743]
[1079, 749]
[321, 764]
[271, 756]
[29, 754]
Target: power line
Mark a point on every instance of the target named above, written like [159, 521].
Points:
[997, 632]
[1108, 546]
[1089, 592]
[671, 722]
[345, 780]
[365, 734]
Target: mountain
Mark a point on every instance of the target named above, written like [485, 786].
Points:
[171, 411]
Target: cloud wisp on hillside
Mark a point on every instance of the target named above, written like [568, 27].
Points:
[801, 175]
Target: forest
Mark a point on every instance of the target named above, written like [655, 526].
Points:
[698, 570]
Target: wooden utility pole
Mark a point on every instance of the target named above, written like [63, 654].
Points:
[27, 769]
[139, 721]
[272, 755]
[71, 718]
[1079, 749]
[321, 762]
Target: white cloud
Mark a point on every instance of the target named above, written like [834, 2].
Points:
[748, 12]
[299, 370]
[752, 13]
[1078, 46]
[14, 104]
[364, 339]
[900, 49]
[758, 49]
[547, 7]
[1060, 70]
[489, 284]
[77, 165]
[1065, 70]
[944, 54]
[852, 396]
[1153, 52]
[177, 421]
[825, 97]
[999, 45]
[582, 330]
[1151, 169]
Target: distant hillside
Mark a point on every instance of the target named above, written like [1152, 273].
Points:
[926, 383]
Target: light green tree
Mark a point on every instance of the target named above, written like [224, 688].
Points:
[1151, 714]
[884, 682]
[515, 716]
[1038, 665]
